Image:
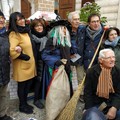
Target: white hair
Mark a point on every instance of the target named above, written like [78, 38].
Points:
[103, 51]
[71, 14]
[58, 34]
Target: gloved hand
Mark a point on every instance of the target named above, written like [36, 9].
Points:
[23, 57]
[58, 63]
[61, 62]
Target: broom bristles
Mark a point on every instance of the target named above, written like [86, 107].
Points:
[69, 111]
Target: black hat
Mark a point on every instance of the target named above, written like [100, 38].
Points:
[1, 14]
[61, 22]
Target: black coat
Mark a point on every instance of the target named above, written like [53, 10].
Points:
[91, 81]
[4, 60]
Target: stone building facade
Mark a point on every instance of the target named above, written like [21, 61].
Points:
[109, 9]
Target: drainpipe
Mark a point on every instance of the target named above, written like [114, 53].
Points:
[7, 6]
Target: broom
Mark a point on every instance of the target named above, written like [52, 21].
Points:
[69, 110]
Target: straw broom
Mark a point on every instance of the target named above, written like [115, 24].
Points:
[69, 110]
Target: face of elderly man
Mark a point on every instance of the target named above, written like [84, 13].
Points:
[109, 60]
[75, 21]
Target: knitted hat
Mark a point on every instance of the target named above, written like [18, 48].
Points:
[1, 14]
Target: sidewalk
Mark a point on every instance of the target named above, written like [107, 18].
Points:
[13, 111]
[39, 114]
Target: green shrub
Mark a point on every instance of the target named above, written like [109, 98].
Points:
[88, 9]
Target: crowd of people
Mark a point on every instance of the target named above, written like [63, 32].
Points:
[35, 50]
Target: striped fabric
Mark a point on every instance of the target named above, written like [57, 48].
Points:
[105, 85]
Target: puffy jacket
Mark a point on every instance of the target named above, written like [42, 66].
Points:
[4, 60]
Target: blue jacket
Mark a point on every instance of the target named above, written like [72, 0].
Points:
[90, 48]
[77, 41]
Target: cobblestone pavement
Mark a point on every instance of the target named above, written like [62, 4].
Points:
[39, 114]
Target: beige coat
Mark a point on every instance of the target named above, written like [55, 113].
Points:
[22, 70]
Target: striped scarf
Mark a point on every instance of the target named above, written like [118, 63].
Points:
[105, 85]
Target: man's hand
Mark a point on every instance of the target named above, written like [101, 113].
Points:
[72, 56]
[111, 113]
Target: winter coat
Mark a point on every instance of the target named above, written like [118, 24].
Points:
[90, 48]
[4, 60]
[77, 42]
[22, 70]
[40, 45]
[90, 88]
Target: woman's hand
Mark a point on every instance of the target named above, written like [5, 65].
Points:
[18, 49]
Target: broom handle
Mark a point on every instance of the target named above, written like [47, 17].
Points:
[96, 50]
[81, 85]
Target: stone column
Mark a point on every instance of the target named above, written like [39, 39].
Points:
[9, 5]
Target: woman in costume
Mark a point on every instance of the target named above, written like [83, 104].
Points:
[56, 53]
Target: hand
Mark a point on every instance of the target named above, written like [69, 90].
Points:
[18, 49]
[111, 114]
[58, 63]
[64, 61]
[72, 56]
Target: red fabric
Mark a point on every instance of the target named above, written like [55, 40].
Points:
[53, 74]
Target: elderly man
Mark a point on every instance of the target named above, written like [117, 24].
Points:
[4, 68]
[102, 88]
[77, 41]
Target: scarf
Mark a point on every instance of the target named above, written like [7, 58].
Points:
[93, 33]
[42, 41]
[23, 29]
[2, 31]
[105, 85]
[112, 43]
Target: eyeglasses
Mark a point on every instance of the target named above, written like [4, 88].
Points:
[76, 19]
[110, 57]
[38, 26]
[97, 21]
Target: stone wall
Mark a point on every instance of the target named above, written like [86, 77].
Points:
[44, 5]
[111, 10]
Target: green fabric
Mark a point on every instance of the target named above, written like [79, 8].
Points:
[58, 38]
[50, 71]
[70, 76]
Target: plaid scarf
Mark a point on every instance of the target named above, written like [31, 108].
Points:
[105, 85]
